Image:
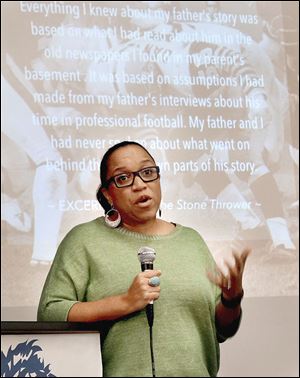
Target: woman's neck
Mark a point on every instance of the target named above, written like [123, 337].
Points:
[153, 227]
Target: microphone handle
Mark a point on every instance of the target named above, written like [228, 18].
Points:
[149, 307]
[147, 266]
[150, 314]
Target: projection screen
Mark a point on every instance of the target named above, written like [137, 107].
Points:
[210, 88]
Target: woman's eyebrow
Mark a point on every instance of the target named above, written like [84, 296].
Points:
[125, 169]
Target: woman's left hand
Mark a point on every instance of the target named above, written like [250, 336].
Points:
[230, 279]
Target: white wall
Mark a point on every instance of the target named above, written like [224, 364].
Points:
[267, 344]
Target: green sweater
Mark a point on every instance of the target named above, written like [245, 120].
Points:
[94, 261]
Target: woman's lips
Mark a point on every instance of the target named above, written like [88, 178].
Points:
[143, 201]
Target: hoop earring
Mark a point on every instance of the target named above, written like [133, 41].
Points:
[112, 223]
[159, 213]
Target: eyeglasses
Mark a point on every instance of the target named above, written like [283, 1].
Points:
[126, 179]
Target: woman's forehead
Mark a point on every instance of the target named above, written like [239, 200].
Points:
[128, 157]
[130, 153]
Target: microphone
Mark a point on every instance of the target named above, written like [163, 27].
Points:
[146, 256]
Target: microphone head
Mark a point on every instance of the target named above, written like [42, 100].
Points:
[146, 255]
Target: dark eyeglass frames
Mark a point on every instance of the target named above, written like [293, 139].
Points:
[125, 179]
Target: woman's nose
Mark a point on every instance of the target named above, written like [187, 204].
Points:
[138, 182]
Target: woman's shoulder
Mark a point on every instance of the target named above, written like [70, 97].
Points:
[89, 225]
[190, 231]
[80, 238]
[85, 230]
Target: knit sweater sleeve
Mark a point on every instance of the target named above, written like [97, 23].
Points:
[67, 279]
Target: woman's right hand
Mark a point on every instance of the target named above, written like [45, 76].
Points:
[140, 293]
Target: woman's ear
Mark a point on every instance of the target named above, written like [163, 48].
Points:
[106, 194]
[104, 199]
